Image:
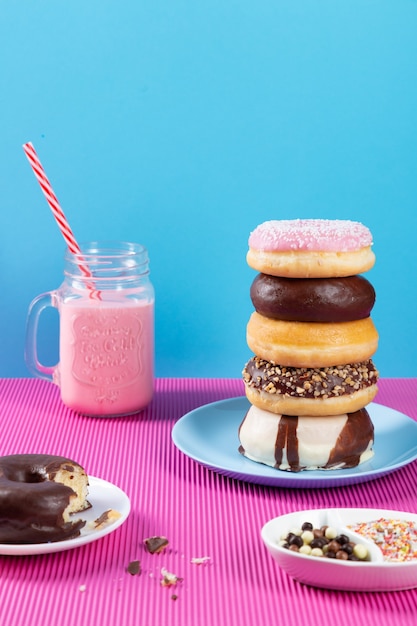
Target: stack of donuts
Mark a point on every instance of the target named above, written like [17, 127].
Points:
[312, 375]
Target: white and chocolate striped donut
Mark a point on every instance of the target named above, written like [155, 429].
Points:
[296, 443]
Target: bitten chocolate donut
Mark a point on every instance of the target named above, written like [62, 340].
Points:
[311, 344]
[313, 299]
[296, 443]
[38, 494]
[311, 248]
[310, 391]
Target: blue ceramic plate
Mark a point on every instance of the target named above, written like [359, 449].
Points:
[209, 435]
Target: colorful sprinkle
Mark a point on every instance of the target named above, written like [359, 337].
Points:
[397, 539]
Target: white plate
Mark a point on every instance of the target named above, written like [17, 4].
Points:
[102, 496]
[327, 573]
[209, 435]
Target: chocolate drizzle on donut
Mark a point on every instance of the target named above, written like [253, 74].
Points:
[326, 382]
[350, 445]
[287, 439]
[353, 440]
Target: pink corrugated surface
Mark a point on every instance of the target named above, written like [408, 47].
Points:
[201, 512]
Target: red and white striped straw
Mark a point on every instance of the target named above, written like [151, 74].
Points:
[57, 211]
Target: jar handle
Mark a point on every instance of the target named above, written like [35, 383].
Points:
[36, 307]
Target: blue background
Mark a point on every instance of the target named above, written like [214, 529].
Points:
[182, 124]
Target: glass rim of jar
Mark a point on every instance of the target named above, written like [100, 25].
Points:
[106, 248]
[107, 259]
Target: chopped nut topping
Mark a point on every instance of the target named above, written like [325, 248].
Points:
[326, 382]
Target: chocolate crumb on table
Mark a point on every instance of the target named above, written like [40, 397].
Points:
[154, 545]
[134, 568]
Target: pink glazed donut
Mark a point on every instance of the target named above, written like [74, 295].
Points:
[311, 248]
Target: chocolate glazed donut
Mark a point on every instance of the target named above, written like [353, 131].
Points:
[32, 506]
[313, 299]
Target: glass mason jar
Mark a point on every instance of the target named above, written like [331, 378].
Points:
[106, 330]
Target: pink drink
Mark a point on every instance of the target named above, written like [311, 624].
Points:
[106, 356]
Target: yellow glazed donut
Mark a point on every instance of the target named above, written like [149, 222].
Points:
[311, 248]
[311, 344]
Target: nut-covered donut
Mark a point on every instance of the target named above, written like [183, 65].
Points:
[310, 391]
[311, 248]
[313, 299]
[296, 443]
[311, 344]
[38, 494]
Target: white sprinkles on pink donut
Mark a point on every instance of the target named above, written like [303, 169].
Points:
[310, 234]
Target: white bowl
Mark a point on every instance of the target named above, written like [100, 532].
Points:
[371, 575]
